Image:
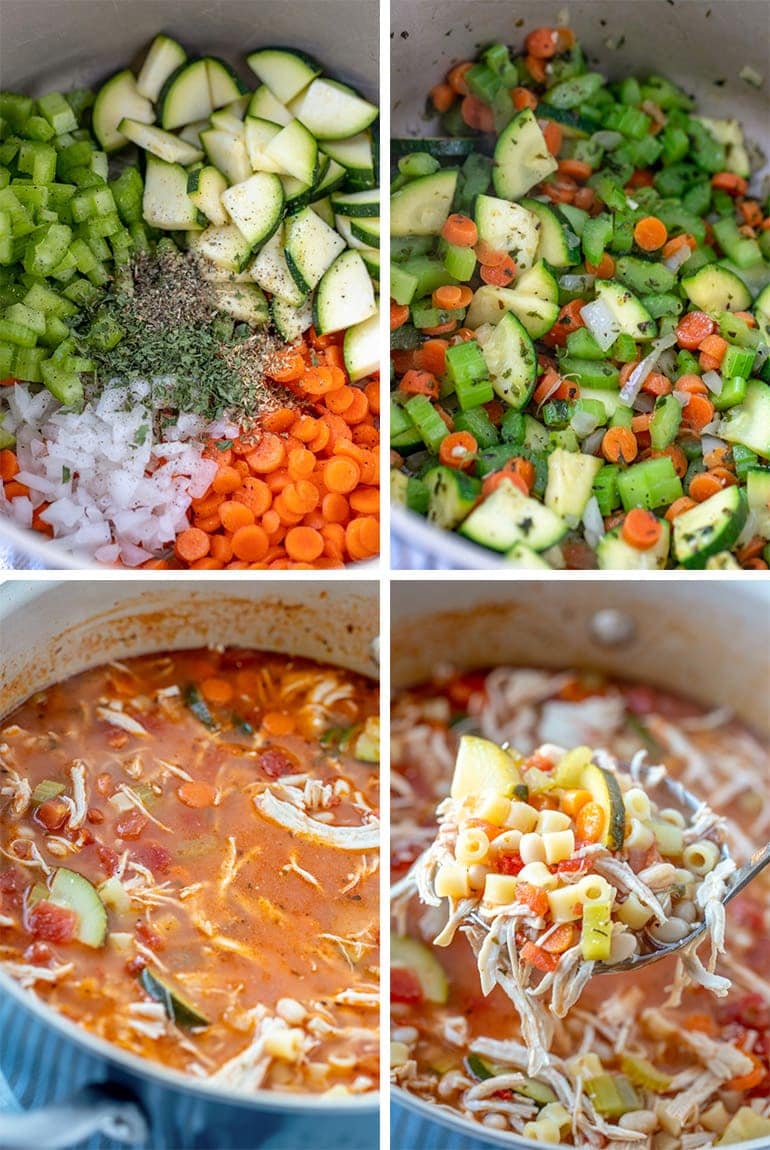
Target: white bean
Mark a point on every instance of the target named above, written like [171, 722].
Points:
[673, 930]
[407, 1034]
[645, 1121]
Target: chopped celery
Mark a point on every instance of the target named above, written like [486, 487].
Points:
[612, 1095]
[642, 1073]
[596, 934]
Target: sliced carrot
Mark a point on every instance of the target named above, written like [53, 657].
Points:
[192, 544]
[279, 420]
[432, 356]
[217, 691]
[447, 296]
[9, 464]
[268, 455]
[754, 1076]
[226, 480]
[729, 182]
[698, 412]
[536, 68]
[552, 134]
[304, 544]
[605, 269]
[678, 242]
[443, 97]
[290, 367]
[365, 500]
[679, 506]
[560, 939]
[693, 328]
[650, 233]
[677, 457]
[278, 723]
[542, 43]
[641, 529]
[250, 543]
[703, 486]
[399, 314]
[341, 475]
[569, 319]
[500, 275]
[715, 346]
[578, 170]
[589, 823]
[460, 230]
[523, 98]
[196, 794]
[619, 445]
[497, 478]
[458, 450]
[456, 77]
[657, 384]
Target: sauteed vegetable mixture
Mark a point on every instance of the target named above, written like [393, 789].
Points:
[580, 319]
[188, 862]
[641, 1061]
[188, 317]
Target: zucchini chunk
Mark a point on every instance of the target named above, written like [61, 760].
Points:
[118, 99]
[507, 517]
[605, 791]
[286, 73]
[710, 527]
[416, 956]
[483, 766]
[422, 206]
[74, 892]
[178, 1008]
[522, 158]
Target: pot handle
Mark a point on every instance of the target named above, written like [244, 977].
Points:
[97, 1109]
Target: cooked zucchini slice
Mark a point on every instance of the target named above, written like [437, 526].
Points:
[416, 956]
[178, 1008]
[483, 766]
[605, 791]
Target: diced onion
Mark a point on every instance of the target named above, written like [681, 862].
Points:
[677, 258]
[760, 356]
[633, 384]
[583, 423]
[682, 397]
[602, 323]
[643, 402]
[593, 442]
[713, 381]
[714, 427]
[607, 139]
[711, 443]
[576, 283]
[593, 522]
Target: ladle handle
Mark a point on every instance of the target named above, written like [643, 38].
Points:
[94, 1110]
[756, 864]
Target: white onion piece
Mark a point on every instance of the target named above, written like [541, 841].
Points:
[361, 838]
[593, 442]
[677, 258]
[713, 381]
[633, 205]
[643, 402]
[714, 427]
[602, 323]
[576, 283]
[667, 361]
[711, 443]
[554, 387]
[682, 397]
[583, 423]
[608, 139]
[593, 523]
[760, 355]
[633, 384]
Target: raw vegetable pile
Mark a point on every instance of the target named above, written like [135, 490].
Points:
[235, 423]
[580, 320]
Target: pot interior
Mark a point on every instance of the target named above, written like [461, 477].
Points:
[51, 631]
[708, 641]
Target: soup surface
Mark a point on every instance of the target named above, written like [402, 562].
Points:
[450, 1043]
[189, 849]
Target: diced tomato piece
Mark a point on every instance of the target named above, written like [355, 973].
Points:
[572, 867]
[461, 688]
[52, 923]
[540, 762]
[750, 1010]
[131, 825]
[38, 954]
[562, 939]
[405, 985]
[109, 858]
[533, 897]
[539, 958]
[148, 936]
[509, 864]
[276, 762]
[154, 856]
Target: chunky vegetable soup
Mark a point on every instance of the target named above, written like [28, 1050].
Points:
[188, 860]
[641, 1061]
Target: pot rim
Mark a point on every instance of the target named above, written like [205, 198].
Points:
[434, 1112]
[22, 593]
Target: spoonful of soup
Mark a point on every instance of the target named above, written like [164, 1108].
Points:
[562, 866]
